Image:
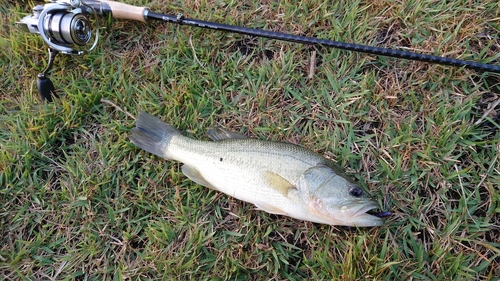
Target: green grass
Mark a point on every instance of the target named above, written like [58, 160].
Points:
[78, 201]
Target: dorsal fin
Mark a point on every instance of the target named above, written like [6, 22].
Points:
[217, 134]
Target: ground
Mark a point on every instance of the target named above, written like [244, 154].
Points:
[78, 201]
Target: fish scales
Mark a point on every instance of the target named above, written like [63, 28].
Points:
[236, 167]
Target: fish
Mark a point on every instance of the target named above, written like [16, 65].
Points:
[277, 177]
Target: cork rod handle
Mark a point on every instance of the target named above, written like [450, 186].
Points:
[125, 11]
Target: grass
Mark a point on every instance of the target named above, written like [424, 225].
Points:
[78, 201]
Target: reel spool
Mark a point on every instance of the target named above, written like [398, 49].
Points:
[64, 26]
[68, 28]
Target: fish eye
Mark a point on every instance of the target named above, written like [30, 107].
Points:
[355, 191]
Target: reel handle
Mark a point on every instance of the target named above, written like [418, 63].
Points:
[46, 88]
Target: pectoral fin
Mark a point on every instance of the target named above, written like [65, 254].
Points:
[270, 209]
[217, 134]
[278, 183]
[195, 176]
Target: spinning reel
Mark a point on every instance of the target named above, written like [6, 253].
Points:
[65, 28]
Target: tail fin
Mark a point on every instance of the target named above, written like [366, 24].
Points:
[152, 135]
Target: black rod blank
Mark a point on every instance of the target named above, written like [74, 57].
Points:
[179, 19]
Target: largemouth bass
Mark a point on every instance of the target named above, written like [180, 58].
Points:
[279, 178]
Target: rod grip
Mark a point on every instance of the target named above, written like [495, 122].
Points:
[125, 11]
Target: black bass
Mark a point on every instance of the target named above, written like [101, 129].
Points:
[279, 178]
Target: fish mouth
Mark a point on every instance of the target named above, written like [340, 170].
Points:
[364, 213]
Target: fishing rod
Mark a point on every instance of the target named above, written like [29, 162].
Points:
[64, 25]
